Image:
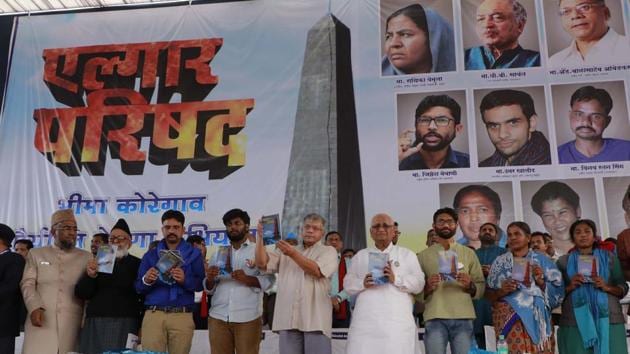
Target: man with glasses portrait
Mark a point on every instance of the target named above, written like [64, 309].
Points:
[437, 122]
[54, 312]
[589, 117]
[594, 42]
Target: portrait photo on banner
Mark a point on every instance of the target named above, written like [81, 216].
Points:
[597, 117]
[600, 24]
[617, 191]
[416, 37]
[512, 126]
[477, 204]
[552, 206]
[500, 34]
[430, 125]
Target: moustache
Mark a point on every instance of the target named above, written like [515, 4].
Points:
[585, 127]
[432, 134]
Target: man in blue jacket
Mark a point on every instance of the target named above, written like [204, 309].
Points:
[168, 324]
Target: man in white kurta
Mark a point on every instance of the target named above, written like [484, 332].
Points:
[382, 320]
[50, 276]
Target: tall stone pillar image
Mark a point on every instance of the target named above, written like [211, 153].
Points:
[324, 174]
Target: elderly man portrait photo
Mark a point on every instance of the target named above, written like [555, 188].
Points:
[591, 30]
[511, 123]
[437, 122]
[499, 25]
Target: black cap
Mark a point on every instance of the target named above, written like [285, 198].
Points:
[122, 225]
[6, 234]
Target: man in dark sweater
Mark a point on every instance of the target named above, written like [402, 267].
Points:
[114, 309]
[11, 268]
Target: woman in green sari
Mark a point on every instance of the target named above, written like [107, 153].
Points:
[592, 320]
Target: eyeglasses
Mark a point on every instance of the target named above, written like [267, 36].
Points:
[382, 226]
[440, 121]
[594, 117]
[580, 9]
[445, 222]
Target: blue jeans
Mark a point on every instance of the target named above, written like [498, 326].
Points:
[439, 332]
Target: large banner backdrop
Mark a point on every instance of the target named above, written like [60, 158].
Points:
[130, 113]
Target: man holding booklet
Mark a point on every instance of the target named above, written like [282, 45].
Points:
[168, 276]
[114, 309]
[384, 278]
[237, 288]
[454, 279]
[303, 315]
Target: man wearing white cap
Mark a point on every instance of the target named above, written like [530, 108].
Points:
[48, 289]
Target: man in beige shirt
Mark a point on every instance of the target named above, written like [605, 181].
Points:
[303, 316]
[48, 289]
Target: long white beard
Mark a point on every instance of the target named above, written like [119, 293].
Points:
[122, 252]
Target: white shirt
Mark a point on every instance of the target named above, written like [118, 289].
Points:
[382, 321]
[233, 301]
[611, 48]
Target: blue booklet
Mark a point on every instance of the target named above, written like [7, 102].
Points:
[376, 266]
[106, 258]
[168, 260]
[587, 266]
[447, 265]
[271, 229]
[221, 260]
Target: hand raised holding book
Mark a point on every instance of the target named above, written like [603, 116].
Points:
[92, 268]
[286, 248]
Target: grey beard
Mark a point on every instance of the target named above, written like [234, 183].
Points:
[65, 245]
[122, 252]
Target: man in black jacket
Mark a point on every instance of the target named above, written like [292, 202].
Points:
[114, 309]
[11, 269]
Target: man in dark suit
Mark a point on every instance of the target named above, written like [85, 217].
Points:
[11, 269]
